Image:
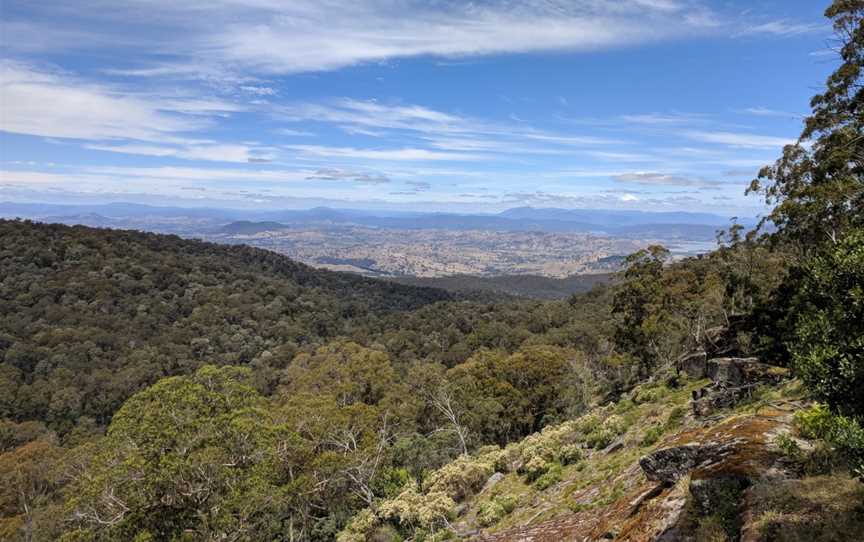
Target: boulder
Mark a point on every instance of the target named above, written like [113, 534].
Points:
[721, 341]
[731, 372]
[727, 371]
[668, 465]
[492, 481]
[707, 401]
[694, 365]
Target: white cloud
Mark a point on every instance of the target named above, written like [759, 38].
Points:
[303, 36]
[653, 178]
[396, 155]
[203, 37]
[784, 28]
[732, 139]
[213, 152]
[200, 174]
[660, 118]
[80, 110]
[766, 112]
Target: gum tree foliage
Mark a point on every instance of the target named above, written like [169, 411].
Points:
[198, 457]
[829, 352]
[816, 187]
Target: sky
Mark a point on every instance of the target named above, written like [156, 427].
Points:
[439, 105]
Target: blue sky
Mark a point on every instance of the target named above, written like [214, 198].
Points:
[437, 105]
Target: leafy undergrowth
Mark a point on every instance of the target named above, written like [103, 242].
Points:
[555, 472]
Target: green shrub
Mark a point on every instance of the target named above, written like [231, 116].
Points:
[569, 454]
[605, 433]
[845, 434]
[676, 417]
[534, 468]
[789, 447]
[599, 438]
[652, 435]
[649, 395]
[587, 424]
[551, 477]
[493, 511]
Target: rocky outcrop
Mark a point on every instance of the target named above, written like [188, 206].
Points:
[708, 467]
[668, 465]
[733, 380]
[694, 365]
[708, 400]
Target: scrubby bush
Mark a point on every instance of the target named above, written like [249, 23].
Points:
[460, 478]
[413, 509]
[569, 454]
[605, 433]
[599, 438]
[588, 423]
[493, 511]
[652, 435]
[534, 468]
[645, 394]
[551, 477]
[360, 526]
[845, 434]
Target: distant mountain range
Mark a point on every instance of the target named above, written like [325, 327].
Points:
[622, 223]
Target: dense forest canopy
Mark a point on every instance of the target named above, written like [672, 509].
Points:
[153, 388]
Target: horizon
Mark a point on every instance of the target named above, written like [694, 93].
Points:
[368, 210]
[652, 105]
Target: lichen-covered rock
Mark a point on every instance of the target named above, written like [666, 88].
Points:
[670, 464]
[710, 400]
[734, 379]
[734, 372]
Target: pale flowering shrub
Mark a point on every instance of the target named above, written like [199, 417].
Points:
[411, 508]
[460, 478]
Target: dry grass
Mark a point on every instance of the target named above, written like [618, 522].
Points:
[815, 509]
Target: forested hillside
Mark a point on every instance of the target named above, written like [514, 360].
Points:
[98, 314]
[530, 286]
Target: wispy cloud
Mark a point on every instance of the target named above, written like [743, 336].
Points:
[396, 155]
[210, 152]
[767, 112]
[236, 38]
[662, 119]
[783, 27]
[81, 110]
[654, 179]
[333, 174]
[740, 140]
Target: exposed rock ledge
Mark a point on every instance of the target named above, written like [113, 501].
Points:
[696, 465]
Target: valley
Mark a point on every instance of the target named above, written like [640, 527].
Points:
[438, 253]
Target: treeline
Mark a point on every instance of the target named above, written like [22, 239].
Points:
[530, 286]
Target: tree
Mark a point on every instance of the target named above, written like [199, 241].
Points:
[192, 456]
[634, 304]
[816, 187]
[29, 475]
[829, 351]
